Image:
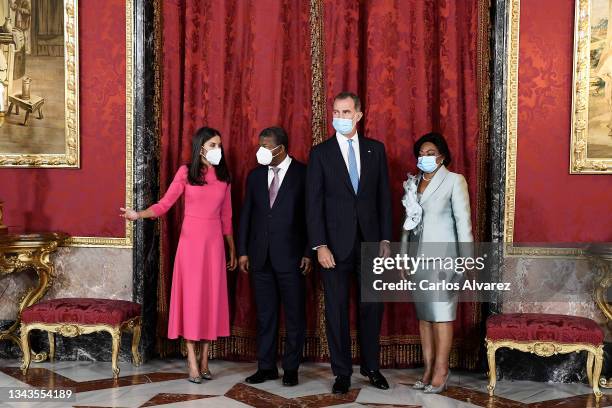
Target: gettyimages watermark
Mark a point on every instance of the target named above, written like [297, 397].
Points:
[469, 272]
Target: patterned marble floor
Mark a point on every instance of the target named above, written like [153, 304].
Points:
[162, 383]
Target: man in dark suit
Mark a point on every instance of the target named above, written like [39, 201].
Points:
[273, 246]
[348, 201]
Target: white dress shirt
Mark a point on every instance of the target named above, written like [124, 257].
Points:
[344, 148]
[283, 166]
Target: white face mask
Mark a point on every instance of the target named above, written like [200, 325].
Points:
[264, 156]
[214, 156]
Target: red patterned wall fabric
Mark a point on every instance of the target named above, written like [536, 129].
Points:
[551, 204]
[414, 76]
[85, 201]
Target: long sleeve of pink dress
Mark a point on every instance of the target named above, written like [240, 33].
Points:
[174, 192]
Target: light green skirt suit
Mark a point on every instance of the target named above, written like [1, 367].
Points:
[446, 222]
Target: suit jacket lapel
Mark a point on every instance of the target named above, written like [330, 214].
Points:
[285, 185]
[341, 164]
[438, 178]
[262, 185]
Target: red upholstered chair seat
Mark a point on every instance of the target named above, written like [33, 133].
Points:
[81, 311]
[541, 327]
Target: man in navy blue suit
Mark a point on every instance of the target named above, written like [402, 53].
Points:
[273, 247]
[348, 201]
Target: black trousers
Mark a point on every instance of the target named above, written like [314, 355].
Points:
[273, 287]
[336, 285]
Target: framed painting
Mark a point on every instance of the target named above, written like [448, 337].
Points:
[591, 138]
[39, 83]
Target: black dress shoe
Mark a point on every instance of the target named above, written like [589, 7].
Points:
[262, 376]
[342, 384]
[376, 378]
[290, 378]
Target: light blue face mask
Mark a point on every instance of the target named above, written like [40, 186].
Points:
[427, 164]
[343, 126]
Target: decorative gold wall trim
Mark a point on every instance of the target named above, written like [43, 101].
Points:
[71, 156]
[317, 52]
[510, 250]
[511, 121]
[513, 251]
[601, 267]
[127, 241]
[319, 130]
[97, 242]
[483, 83]
[579, 162]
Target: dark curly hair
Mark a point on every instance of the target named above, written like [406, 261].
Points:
[438, 140]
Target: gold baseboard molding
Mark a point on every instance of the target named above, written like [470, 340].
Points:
[98, 242]
[513, 251]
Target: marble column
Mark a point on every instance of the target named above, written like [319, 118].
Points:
[497, 138]
[146, 163]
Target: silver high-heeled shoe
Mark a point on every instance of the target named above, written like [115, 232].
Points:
[419, 385]
[430, 389]
[206, 374]
[196, 380]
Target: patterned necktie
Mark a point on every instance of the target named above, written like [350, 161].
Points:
[274, 185]
[352, 164]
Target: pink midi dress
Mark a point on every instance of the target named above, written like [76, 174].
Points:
[198, 300]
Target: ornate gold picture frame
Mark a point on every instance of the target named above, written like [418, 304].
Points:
[591, 138]
[512, 249]
[128, 240]
[39, 84]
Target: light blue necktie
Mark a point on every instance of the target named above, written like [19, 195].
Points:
[352, 164]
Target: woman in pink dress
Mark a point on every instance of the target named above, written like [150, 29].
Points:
[198, 300]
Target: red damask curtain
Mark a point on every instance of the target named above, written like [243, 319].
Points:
[238, 66]
[242, 65]
[415, 64]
